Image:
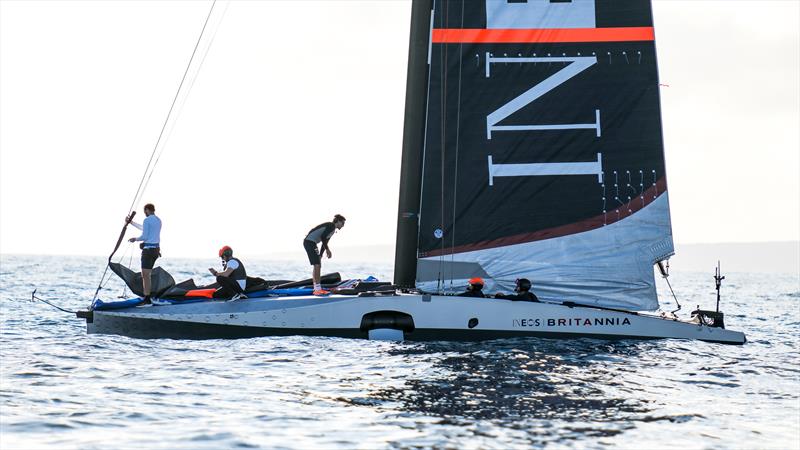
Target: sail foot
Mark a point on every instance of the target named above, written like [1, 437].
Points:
[610, 266]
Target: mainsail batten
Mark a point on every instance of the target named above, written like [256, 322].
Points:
[543, 151]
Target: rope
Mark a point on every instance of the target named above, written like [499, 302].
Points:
[34, 297]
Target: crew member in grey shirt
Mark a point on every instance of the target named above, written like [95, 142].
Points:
[151, 245]
[320, 233]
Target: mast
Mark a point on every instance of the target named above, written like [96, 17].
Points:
[405, 259]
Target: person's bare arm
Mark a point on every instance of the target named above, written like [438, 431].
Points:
[224, 273]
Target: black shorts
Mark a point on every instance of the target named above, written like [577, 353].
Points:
[311, 251]
[149, 257]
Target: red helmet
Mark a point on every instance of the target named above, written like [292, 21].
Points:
[225, 251]
[476, 280]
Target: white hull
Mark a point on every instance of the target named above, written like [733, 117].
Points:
[413, 317]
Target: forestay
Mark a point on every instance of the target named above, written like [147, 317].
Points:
[543, 154]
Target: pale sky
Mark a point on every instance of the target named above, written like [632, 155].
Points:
[297, 114]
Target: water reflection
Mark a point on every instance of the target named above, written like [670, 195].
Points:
[525, 384]
[60, 387]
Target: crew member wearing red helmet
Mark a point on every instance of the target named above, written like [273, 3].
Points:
[233, 278]
[475, 288]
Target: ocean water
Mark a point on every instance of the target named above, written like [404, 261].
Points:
[61, 388]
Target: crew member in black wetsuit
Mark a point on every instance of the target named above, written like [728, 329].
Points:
[475, 288]
[523, 292]
[320, 233]
[233, 278]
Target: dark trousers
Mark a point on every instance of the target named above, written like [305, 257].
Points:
[228, 287]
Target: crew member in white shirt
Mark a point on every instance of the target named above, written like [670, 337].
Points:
[151, 245]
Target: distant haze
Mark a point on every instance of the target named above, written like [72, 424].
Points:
[759, 257]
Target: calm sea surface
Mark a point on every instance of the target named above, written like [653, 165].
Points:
[62, 388]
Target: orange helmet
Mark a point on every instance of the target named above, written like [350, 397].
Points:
[476, 281]
[225, 251]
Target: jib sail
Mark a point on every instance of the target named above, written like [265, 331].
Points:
[543, 154]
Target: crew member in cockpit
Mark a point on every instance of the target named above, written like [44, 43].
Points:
[523, 292]
[475, 288]
[233, 278]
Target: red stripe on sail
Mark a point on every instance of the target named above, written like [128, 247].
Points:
[613, 215]
[544, 35]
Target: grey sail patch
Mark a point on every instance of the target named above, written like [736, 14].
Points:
[431, 270]
[540, 14]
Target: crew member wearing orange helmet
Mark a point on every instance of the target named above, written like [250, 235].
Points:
[475, 288]
[233, 278]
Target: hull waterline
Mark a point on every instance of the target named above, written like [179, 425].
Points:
[407, 317]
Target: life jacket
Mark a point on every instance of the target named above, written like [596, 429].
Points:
[238, 273]
[321, 232]
[473, 293]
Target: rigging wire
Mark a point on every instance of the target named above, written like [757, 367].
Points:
[425, 130]
[150, 165]
[673, 296]
[116, 247]
[443, 137]
[139, 190]
[665, 274]
[185, 98]
[130, 262]
[458, 130]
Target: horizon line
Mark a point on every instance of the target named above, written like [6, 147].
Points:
[301, 254]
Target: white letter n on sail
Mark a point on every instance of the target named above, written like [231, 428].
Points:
[576, 65]
[543, 169]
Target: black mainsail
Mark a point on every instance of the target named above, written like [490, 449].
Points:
[543, 153]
